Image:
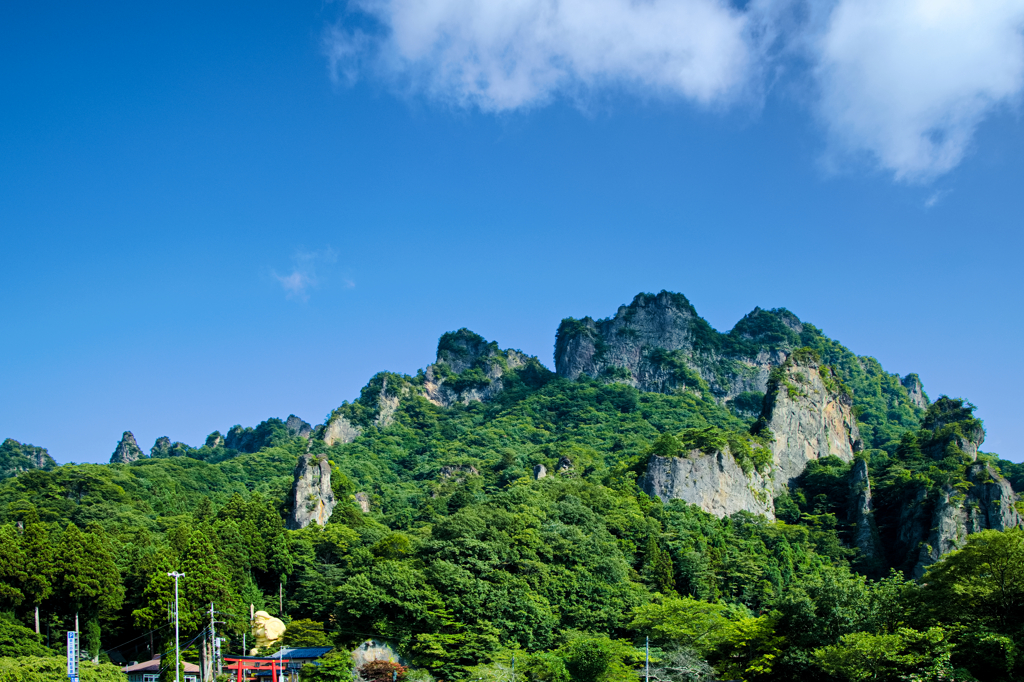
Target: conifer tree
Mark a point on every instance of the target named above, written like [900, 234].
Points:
[12, 568]
[205, 581]
[40, 568]
[90, 581]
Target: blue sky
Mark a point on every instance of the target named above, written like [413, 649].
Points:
[212, 215]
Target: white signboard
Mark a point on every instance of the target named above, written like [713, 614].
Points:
[73, 656]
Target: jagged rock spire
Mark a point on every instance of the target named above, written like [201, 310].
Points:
[312, 499]
[127, 450]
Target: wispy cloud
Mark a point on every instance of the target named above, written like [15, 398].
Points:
[303, 276]
[906, 82]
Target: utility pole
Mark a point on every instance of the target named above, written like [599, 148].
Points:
[280, 598]
[513, 668]
[37, 620]
[177, 645]
[647, 660]
[213, 639]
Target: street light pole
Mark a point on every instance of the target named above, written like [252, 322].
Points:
[177, 647]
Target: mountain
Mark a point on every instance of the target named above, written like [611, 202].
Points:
[767, 474]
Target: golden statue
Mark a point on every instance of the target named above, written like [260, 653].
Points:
[266, 629]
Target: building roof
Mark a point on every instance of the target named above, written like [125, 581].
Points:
[153, 666]
[304, 652]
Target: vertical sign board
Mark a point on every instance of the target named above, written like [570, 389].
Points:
[73, 656]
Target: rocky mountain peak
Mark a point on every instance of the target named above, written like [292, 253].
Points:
[658, 343]
[16, 457]
[127, 450]
[297, 427]
[469, 368]
[161, 448]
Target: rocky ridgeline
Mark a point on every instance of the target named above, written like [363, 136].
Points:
[468, 368]
[658, 343]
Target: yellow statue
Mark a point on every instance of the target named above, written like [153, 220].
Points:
[266, 629]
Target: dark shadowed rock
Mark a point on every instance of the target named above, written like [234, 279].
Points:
[862, 514]
[297, 427]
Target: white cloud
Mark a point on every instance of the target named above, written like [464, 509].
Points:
[508, 54]
[905, 81]
[909, 81]
[303, 276]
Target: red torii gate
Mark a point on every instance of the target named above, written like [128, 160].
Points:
[242, 665]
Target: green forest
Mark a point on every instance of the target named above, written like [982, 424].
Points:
[466, 561]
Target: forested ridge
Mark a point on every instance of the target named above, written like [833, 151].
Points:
[465, 557]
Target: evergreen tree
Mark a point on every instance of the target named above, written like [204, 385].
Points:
[41, 568]
[90, 582]
[12, 568]
[205, 582]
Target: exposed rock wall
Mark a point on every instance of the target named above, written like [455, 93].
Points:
[312, 499]
[340, 430]
[862, 514]
[915, 390]
[660, 344]
[714, 482]
[469, 368]
[127, 450]
[987, 504]
[298, 427]
[809, 419]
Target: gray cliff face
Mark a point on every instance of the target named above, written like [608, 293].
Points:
[127, 450]
[468, 369]
[987, 504]
[312, 498]
[340, 430]
[809, 416]
[808, 419]
[862, 514]
[660, 344]
[915, 390]
[714, 482]
[297, 427]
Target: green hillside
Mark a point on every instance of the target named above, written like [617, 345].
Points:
[466, 558]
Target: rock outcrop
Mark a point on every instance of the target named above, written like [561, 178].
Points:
[987, 504]
[809, 415]
[16, 457]
[915, 391]
[714, 482]
[363, 500]
[469, 368]
[163, 447]
[312, 500]
[127, 450]
[660, 344]
[340, 430]
[861, 513]
[298, 427]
